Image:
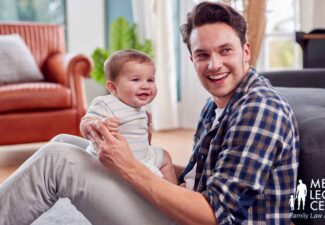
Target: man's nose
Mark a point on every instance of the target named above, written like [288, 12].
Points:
[215, 62]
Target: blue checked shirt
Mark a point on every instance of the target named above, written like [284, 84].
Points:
[247, 163]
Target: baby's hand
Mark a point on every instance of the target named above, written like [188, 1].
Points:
[111, 124]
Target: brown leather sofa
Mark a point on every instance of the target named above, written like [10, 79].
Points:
[37, 111]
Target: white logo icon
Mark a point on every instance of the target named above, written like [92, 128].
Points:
[300, 194]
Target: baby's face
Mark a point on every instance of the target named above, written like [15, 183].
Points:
[135, 84]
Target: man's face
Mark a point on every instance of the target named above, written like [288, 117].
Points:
[135, 84]
[219, 59]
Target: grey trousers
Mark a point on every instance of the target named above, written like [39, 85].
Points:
[62, 168]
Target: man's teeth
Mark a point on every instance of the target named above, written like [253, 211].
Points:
[217, 77]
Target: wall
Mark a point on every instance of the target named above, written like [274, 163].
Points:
[86, 31]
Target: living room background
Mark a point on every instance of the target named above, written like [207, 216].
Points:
[86, 25]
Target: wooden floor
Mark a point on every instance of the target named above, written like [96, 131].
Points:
[177, 142]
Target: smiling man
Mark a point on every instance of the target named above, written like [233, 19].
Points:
[246, 146]
[220, 59]
[244, 163]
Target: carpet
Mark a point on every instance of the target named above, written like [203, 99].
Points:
[62, 213]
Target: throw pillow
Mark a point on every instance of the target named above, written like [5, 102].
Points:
[17, 63]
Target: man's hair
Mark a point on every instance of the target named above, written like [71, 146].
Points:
[115, 62]
[209, 13]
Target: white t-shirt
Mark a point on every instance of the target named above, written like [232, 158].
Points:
[190, 176]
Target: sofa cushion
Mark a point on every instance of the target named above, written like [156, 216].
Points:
[17, 63]
[32, 96]
[308, 105]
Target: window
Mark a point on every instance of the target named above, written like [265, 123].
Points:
[48, 11]
[280, 50]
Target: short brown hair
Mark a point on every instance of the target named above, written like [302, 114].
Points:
[115, 62]
[212, 12]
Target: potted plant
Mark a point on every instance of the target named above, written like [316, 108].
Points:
[122, 35]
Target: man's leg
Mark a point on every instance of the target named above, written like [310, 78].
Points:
[65, 170]
[71, 139]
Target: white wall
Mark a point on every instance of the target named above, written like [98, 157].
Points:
[85, 25]
[86, 31]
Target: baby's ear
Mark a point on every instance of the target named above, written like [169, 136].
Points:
[110, 86]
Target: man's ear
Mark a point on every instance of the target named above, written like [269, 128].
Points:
[110, 86]
[247, 52]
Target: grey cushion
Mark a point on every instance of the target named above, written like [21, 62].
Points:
[312, 78]
[17, 63]
[308, 105]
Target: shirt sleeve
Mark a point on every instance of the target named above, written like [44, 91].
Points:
[98, 108]
[255, 135]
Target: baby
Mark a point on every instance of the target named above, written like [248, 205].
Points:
[131, 81]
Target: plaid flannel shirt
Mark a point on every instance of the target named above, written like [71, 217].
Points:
[247, 164]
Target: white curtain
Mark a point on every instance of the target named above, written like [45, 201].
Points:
[311, 14]
[154, 21]
[193, 95]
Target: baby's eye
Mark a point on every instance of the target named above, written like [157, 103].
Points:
[135, 79]
[151, 80]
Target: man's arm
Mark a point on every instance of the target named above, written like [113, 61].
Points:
[182, 205]
[149, 126]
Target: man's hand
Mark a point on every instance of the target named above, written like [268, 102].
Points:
[112, 125]
[149, 119]
[149, 126]
[84, 124]
[112, 148]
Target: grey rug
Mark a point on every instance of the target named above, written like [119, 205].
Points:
[62, 213]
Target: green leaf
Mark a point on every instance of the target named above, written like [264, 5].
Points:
[147, 48]
[120, 35]
[99, 56]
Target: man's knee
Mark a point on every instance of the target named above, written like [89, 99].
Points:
[54, 147]
[59, 138]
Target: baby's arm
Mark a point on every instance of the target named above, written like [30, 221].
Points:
[85, 122]
[97, 111]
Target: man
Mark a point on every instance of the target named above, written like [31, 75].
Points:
[244, 163]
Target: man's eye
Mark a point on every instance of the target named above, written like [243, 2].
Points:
[201, 56]
[226, 51]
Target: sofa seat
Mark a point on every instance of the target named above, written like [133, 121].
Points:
[34, 96]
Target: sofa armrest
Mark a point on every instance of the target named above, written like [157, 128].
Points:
[69, 70]
[58, 67]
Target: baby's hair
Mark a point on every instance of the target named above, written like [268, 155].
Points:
[115, 62]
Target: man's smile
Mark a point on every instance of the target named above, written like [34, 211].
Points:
[218, 77]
